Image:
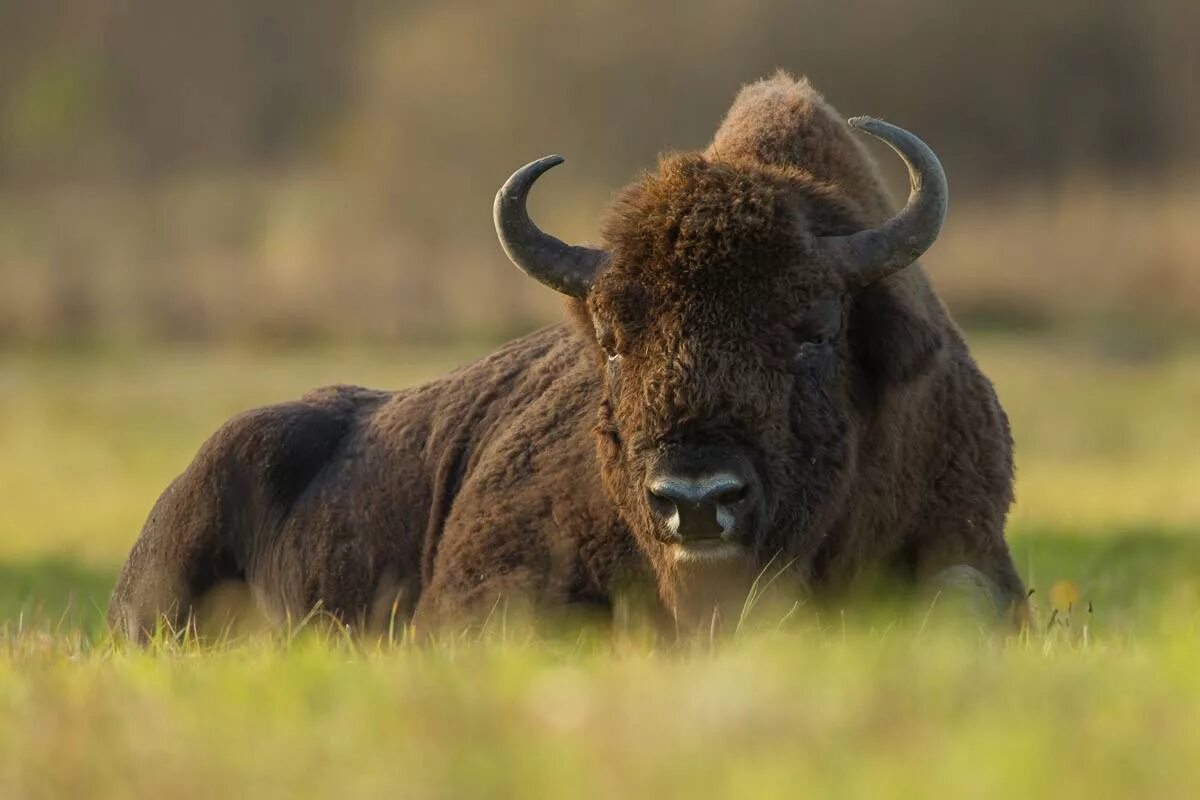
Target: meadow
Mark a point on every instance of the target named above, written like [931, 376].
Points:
[1099, 699]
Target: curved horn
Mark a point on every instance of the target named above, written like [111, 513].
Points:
[563, 267]
[868, 256]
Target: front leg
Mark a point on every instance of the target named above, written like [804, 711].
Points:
[472, 604]
[494, 565]
[969, 569]
[966, 592]
[962, 554]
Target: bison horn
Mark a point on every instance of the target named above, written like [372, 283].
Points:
[563, 267]
[868, 256]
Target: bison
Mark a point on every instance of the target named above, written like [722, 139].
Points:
[753, 370]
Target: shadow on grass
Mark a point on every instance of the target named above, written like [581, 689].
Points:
[56, 592]
[1132, 578]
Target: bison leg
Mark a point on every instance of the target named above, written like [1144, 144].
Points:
[174, 562]
[215, 517]
[966, 593]
[454, 605]
[969, 590]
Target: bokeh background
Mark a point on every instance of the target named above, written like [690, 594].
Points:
[293, 171]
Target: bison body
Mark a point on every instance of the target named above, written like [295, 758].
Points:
[753, 372]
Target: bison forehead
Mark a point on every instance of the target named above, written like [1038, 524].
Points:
[694, 216]
[699, 228]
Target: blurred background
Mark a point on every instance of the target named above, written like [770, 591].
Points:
[296, 172]
[209, 206]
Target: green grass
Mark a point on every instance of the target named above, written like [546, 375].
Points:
[863, 714]
[1099, 703]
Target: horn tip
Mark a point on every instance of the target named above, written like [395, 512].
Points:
[535, 169]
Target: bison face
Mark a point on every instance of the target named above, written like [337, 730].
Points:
[722, 312]
[725, 430]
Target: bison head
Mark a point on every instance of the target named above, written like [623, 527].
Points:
[722, 311]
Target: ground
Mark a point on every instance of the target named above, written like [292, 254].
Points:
[1100, 699]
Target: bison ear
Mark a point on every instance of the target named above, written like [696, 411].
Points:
[893, 337]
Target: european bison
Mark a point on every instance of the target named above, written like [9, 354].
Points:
[753, 371]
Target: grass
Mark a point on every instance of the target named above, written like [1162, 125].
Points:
[804, 714]
[1108, 517]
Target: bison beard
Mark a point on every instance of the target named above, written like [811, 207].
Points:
[754, 377]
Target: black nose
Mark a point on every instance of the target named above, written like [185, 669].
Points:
[701, 507]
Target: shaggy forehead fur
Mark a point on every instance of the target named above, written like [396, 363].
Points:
[739, 219]
[698, 223]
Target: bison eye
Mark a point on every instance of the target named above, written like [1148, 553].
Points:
[806, 350]
[819, 325]
[608, 343]
[809, 342]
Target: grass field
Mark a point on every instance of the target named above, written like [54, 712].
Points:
[1088, 704]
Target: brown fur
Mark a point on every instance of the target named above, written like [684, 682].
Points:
[521, 476]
